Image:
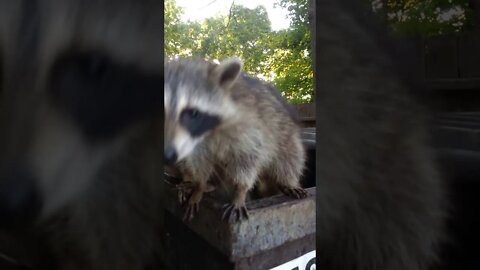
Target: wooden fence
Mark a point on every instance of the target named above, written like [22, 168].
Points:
[452, 62]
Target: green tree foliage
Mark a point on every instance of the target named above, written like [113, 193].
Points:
[284, 57]
[243, 33]
[172, 28]
[292, 55]
[281, 57]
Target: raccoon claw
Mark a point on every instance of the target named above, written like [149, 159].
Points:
[190, 196]
[234, 213]
[182, 197]
[295, 192]
[190, 211]
[185, 190]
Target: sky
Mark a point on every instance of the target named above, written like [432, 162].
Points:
[197, 10]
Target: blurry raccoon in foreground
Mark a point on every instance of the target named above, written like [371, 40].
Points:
[381, 203]
[80, 130]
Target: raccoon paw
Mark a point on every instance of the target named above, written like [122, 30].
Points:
[234, 213]
[185, 190]
[193, 204]
[295, 192]
[191, 210]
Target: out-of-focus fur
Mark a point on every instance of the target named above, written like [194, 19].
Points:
[80, 127]
[381, 202]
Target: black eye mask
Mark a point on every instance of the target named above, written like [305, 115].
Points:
[197, 122]
[104, 97]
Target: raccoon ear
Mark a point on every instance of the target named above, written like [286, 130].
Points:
[226, 73]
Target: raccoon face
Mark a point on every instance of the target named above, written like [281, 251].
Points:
[78, 79]
[197, 103]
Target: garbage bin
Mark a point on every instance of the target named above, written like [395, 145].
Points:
[279, 234]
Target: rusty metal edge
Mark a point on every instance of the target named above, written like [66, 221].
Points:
[236, 240]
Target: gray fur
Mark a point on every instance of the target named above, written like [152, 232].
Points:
[257, 138]
[101, 201]
[381, 202]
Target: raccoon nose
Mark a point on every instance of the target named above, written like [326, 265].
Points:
[19, 201]
[170, 155]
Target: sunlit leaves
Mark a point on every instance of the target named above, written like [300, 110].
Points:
[172, 28]
[282, 58]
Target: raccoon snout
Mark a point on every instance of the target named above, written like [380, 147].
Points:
[170, 155]
[19, 199]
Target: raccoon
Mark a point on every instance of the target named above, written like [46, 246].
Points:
[80, 130]
[217, 117]
[381, 202]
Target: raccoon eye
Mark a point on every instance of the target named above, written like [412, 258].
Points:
[102, 94]
[197, 122]
[192, 113]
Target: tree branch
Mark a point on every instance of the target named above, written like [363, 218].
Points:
[209, 4]
[230, 13]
